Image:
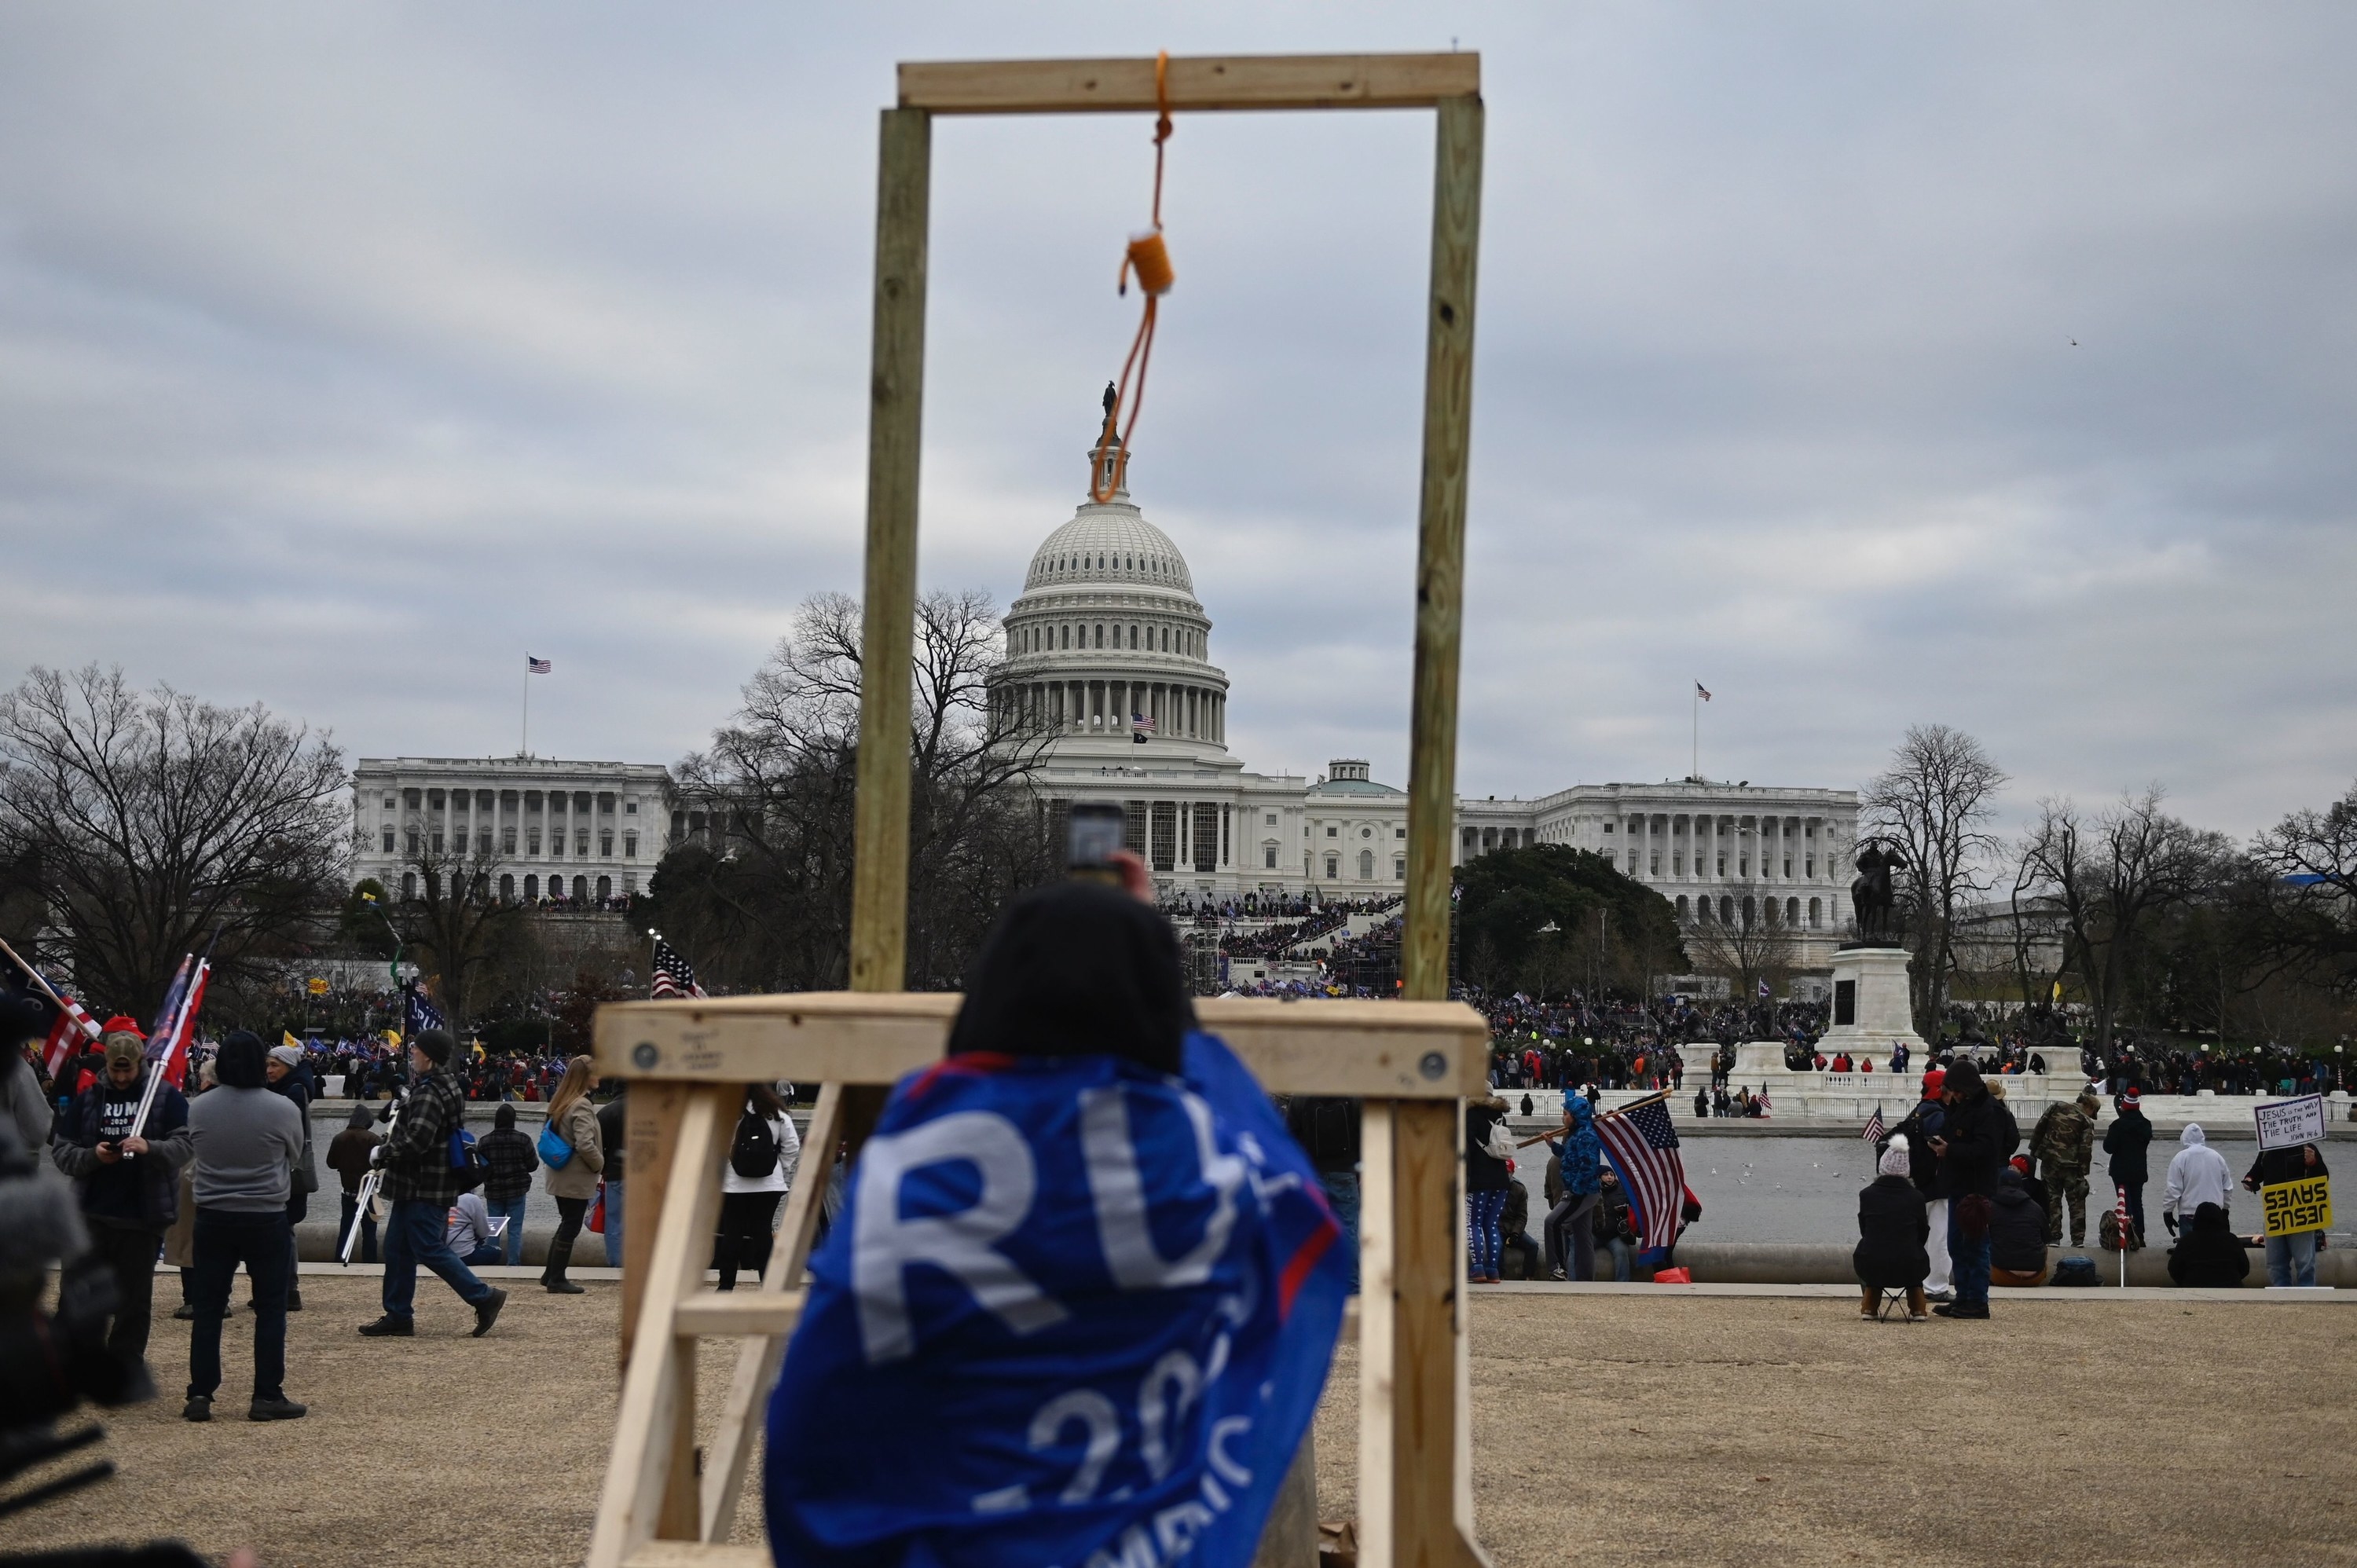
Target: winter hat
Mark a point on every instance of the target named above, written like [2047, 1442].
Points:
[121, 1024]
[237, 1063]
[1895, 1159]
[2130, 1097]
[1935, 1079]
[504, 1117]
[1964, 1078]
[2020, 1163]
[435, 1043]
[287, 1056]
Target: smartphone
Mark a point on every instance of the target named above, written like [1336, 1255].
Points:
[1092, 832]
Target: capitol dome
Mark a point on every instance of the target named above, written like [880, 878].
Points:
[1108, 651]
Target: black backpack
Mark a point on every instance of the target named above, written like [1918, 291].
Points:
[753, 1153]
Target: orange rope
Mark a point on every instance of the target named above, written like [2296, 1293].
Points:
[1150, 261]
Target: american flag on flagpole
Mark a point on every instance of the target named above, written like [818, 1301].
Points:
[73, 1027]
[1873, 1133]
[1702, 691]
[536, 666]
[673, 975]
[1140, 726]
[1643, 1148]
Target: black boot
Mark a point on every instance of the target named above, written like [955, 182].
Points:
[552, 1278]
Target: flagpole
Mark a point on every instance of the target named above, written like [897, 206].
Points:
[523, 740]
[1694, 701]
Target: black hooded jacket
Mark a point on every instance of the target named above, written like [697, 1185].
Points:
[1078, 968]
[1980, 1135]
[2209, 1254]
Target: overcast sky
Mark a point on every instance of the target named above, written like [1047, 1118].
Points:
[349, 353]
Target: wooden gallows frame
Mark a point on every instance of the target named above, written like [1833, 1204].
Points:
[665, 1504]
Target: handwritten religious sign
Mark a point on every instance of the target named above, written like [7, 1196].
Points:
[2288, 1123]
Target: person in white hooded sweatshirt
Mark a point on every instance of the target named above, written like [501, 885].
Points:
[2199, 1174]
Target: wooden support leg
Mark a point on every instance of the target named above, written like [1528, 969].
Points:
[649, 1481]
[652, 1133]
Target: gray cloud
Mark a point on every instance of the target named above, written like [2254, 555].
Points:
[346, 355]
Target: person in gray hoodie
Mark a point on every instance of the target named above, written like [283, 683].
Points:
[248, 1143]
[2199, 1174]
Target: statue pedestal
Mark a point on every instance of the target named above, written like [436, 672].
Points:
[1871, 1009]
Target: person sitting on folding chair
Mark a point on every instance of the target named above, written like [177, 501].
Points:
[1893, 1227]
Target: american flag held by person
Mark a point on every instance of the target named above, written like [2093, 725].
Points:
[1873, 1133]
[1642, 1145]
[175, 1020]
[673, 975]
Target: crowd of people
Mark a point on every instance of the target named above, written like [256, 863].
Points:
[215, 1179]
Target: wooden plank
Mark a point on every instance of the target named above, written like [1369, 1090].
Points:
[1194, 83]
[1425, 1050]
[1440, 548]
[653, 1131]
[879, 874]
[1427, 1264]
[654, 1451]
[1378, 1309]
[756, 1363]
[698, 1554]
[738, 1312]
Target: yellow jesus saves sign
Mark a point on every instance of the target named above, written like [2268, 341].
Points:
[2293, 1207]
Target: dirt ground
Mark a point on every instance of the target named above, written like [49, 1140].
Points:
[1607, 1429]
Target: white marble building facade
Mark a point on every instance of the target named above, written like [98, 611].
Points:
[1109, 655]
[580, 832]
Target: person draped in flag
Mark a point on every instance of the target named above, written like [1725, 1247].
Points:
[1084, 1289]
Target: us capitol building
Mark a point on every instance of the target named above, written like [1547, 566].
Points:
[1109, 660]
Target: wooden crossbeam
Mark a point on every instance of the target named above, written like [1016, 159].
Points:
[1193, 83]
[1393, 1051]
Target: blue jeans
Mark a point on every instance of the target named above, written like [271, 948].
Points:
[1482, 1212]
[1342, 1196]
[222, 1239]
[614, 1224]
[1623, 1259]
[1969, 1259]
[486, 1254]
[417, 1233]
[512, 1209]
[2291, 1259]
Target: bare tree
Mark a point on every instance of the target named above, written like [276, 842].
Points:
[1754, 949]
[148, 823]
[2297, 909]
[765, 898]
[2107, 877]
[1935, 799]
[450, 916]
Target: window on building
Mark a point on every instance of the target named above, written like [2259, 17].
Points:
[388, 840]
[483, 844]
[1607, 827]
[1399, 832]
[1333, 867]
[1268, 857]
[581, 842]
[1677, 865]
[1366, 865]
[1399, 868]
[631, 809]
[1100, 634]
[1722, 866]
[1332, 832]
[1272, 819]
[629, 847]
[532, 842]
[388, 803]
[507, 841]
[1632, 862]
[507, 889]
[1743, 865]
[581, 888]
[606, 844]
[1816, 914]
[1653, 866]
[1366, 833]
[409, 885]
[412, 840]
[605, 888]
[1788, 865]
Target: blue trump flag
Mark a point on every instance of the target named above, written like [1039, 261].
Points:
[1075, 1314]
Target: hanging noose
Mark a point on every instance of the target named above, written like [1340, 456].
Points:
[1149, 258]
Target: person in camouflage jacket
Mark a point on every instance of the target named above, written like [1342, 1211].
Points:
[2064, 1146]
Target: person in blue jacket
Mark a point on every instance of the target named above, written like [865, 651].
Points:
[1570, 1234]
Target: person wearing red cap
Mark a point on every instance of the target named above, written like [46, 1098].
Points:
[1920, 1126]
[2125, 1141]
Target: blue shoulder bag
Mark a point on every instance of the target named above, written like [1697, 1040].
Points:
[553, 1151]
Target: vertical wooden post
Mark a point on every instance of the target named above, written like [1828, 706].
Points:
[879, 887]
[1440, 549]
[652, 1130]
[1425, 1339]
